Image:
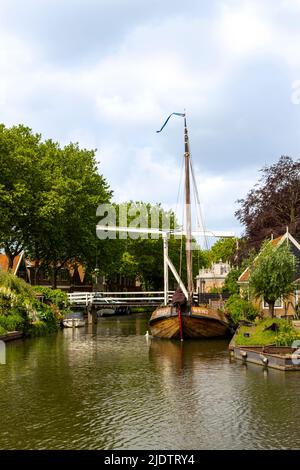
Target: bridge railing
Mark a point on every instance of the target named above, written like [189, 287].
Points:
[87, 298]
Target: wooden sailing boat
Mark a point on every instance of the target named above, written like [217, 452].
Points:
[183, 318]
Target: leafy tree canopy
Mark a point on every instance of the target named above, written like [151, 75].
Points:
[272, 273]
[223, 250]
[273, 204]
[48, 198]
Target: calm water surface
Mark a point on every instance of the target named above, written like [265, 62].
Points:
[107, 386]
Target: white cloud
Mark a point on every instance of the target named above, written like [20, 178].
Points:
[159, 65]
[243, 29]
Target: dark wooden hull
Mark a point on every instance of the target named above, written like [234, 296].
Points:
[197, 322]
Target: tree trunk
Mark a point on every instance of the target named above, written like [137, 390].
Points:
[35, 275]
[271, 308]
[54, 278]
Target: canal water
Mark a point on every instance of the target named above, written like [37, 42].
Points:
[107, 386]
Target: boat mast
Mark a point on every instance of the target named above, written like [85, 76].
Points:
[188, 222]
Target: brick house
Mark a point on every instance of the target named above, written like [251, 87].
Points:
[283, 307]
[69, 278]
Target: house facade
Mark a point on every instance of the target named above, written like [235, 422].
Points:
[69, 278]
[283, 307]
[212, 278]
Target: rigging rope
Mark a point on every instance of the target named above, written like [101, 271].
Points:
[198, 208]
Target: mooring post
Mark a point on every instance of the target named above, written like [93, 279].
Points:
[89, 312]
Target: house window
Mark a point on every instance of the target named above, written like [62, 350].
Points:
[278, 303]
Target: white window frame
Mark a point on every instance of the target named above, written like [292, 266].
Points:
[296, 296]
[266, 305]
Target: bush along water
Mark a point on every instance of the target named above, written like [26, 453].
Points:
[33, 310]
[240, 309]
[286, 334]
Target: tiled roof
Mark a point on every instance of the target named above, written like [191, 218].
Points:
[4, 262]
[33, 263]
[244, 277]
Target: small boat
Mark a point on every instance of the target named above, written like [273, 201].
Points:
[73, 320]
[184, 318]
[112, 306]
[113, 311]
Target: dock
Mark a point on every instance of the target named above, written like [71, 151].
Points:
[276, 357]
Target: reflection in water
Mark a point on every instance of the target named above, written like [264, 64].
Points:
[107, 386]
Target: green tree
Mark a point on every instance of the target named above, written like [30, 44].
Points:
[63, 228]
[272, 274]
[224, 249]
[146, 253]
[230, 285]
[19, 183]
[273, 203]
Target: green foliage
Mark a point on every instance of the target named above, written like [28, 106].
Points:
[286, 335]
[48, 198]
[19, 178]
[261, 335]
[15, 284]
[273, 204]
[215, 290]
[2, 331]
[46, 314]
[53, 296]
[142, 258]
[12, 322]
[224, 250]
[272, 273]
[20, 308]
[230, 285]
[128, 265]
[240, 309]
[38, 328]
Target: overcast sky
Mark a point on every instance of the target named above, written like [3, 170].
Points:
[106, 73]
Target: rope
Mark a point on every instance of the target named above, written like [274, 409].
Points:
[199, 212]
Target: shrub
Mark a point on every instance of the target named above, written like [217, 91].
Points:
[230, 285]
[2, 331]
[20, 307]
[215, 290]
[53, 296]
[286, 335]
[240, 309]
[15, 284]
[11, 322]
[38, 328]
[46, 314]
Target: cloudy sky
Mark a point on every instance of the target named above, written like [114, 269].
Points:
[106, 73]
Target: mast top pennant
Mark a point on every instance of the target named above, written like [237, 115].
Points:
[175, 114]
